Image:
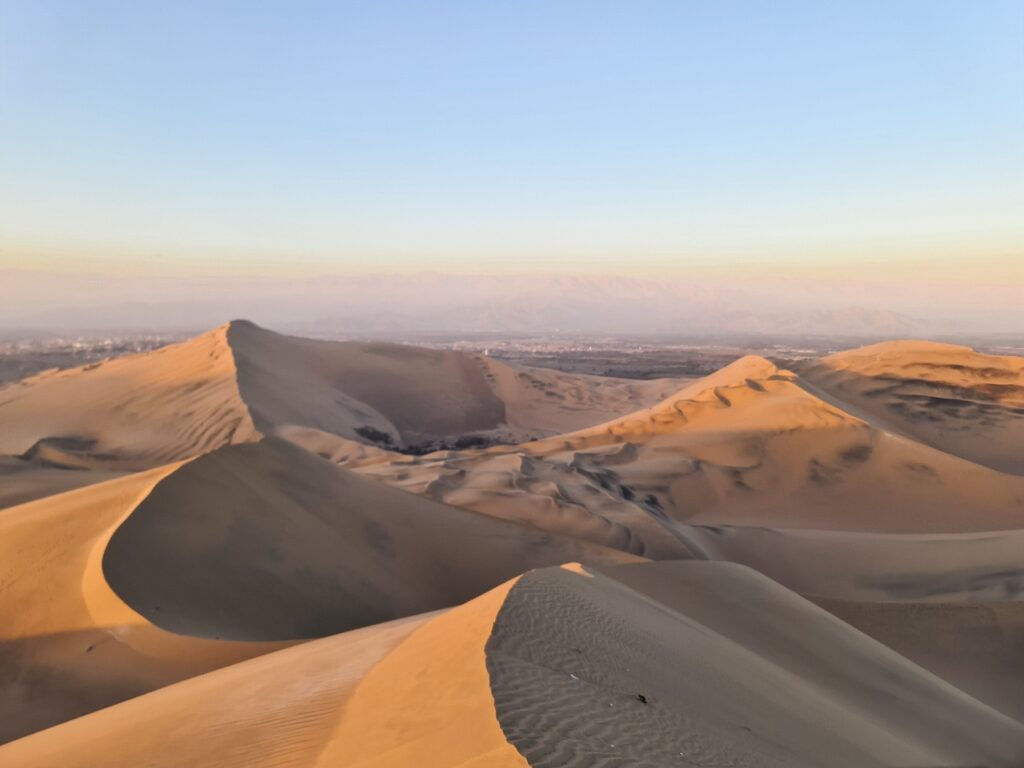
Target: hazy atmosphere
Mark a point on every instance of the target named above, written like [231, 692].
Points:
[204, 161]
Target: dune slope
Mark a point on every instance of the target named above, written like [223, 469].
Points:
[399, 396]
[949, 397]
[130, 413]
[110, 591]
[661, 664]
[711, 664]
[976, 647]
[68, 643]
[267, 542]
[239, 382]
[748, 446]
[22, 481]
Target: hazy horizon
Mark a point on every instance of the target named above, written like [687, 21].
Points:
[793, 167]
[163, 146]
[422, 303]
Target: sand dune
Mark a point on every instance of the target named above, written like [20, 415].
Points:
[748, 446]
[975, 647]
[278, 495]
[265, 541]
[704, 664]
[278, 710]
[959, 568]
[113, 590]
[68, 643]
[693, 664]
[400, 396]
[950, 397]
[133, 412]
[239, 382]
[22, 481]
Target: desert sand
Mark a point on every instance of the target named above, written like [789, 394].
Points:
[127, 585]
[240, 382]
[22, 480]
[661, 664]
[233, 551]
[947, 396]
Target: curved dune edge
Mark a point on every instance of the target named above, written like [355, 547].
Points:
[435, 690]
[266, 541]
[68, 643]
[105, 607]
[410, 692]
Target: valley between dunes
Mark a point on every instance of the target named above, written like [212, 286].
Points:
[250, 549]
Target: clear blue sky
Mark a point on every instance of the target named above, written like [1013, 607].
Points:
[477, 133]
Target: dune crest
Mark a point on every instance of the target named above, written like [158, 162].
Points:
[130, 413]
[70, 644]
[950, 397]
[239, 382]
[747, 446]
[667, 663]
[169, 573]
[267, 542]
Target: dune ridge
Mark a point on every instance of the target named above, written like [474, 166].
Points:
[266, 542]
[69, 643]
[704, 663]
[239, 382]
[141, 581]
[130, 413]
[662, 663]
[947, 396]
[748, 446]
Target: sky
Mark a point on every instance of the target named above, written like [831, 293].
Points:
[630, 138]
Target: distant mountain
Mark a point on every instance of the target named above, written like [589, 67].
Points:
[426, 303]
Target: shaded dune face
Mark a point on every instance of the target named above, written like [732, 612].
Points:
[267, 542]
[905, 568]
[404, 397]
[22, 481]
[976, 647]
[709, 664]
[407, 395]
[68, 644]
